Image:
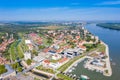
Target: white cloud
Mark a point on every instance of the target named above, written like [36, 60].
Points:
[109, 3]
[62, 13]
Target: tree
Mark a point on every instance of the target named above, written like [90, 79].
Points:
[15, 65]
[19, 69]
[29, 61]
[41, 47]
[49, 40]
[34, 52]
[2, 69]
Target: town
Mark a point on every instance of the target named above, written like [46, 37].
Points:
[52, 54]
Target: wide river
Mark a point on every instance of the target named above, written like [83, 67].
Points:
[112, 38]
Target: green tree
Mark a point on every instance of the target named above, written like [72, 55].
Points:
[35, 52]
[2, 69]
[41, 47]
[19, 69]
[29, 61]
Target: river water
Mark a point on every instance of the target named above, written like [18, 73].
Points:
[112, 38]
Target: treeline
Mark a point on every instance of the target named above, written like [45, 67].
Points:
[115, 26]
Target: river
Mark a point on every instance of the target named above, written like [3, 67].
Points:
[112, 38]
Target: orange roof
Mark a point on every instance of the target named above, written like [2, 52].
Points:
[46, 50]
[47, 61]
[77, 37]
[83, 47]
[62, 60]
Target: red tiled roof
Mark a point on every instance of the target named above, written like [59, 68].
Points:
[47, 61]
[62, 60]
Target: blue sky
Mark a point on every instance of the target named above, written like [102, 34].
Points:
[35, 10]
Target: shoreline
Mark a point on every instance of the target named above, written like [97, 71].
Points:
[108, 65]
[76, 62]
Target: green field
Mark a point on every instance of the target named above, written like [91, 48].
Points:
[63, 77]
[45, 69]
[17, 49]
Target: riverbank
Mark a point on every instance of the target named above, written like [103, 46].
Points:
[113, 26]
[76, 62]
[108, 65]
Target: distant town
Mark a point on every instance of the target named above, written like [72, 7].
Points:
[50, 51]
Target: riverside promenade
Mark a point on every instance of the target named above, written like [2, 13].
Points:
[107, 70]
[108, 65]
[78, 61]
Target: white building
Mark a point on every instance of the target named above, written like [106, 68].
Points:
[27, 42]
[27, 55]
[97, 38]
[54, 65]
[56, 57]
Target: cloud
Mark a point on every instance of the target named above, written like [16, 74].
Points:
[109, 3]
[61, 13]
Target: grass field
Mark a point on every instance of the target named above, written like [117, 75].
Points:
[63, 77]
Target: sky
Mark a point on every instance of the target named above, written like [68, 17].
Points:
[41, 10]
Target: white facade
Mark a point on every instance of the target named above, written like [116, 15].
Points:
[27, 55]
[27, 42]
[56, 57]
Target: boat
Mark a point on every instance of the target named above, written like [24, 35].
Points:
[84, 77]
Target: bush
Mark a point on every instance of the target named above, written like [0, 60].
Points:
[2, 69]
[29, 61]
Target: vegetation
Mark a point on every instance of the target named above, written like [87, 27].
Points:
[12, 51]
[106, 71]
[45, 69]
[29, 61]
[16, 50]
[66, 65]
[90, 46]
[63, 77]
[2, 69]
[35, 52]
[102, 48]
[115, 26]
[41, 47]
[17, 67]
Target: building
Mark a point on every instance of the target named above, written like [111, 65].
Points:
[56, 57]
[72, 52]
[46, 63]
[27, 55]
[27, 42]
[97, 63]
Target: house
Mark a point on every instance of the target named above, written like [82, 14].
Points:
[45, 63]
[3, 60]
[27, 55]
[54, 65]
[72, 52]
[97, 63]
[38, 58]
[56, 47]
[62, 60]
[56, 57]
[27, 42]
[77, 37]
[82, 47]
